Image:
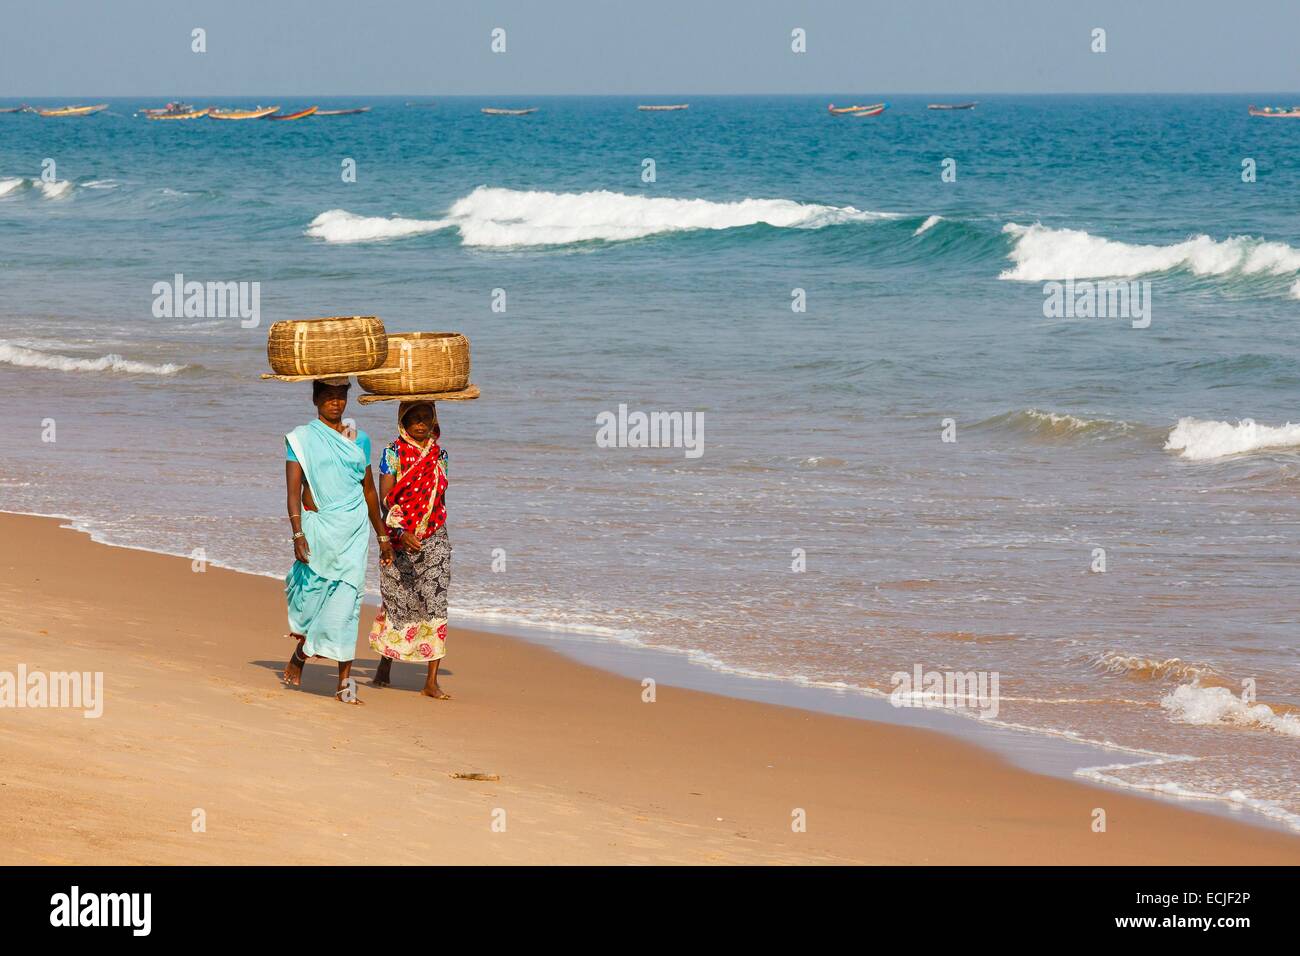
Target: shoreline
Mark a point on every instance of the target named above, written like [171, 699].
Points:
[195, 720]
[1039, 750]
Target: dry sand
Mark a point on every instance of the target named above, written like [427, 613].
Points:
[195, 719]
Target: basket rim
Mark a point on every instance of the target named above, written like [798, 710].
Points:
[427, 335]
[324, 318]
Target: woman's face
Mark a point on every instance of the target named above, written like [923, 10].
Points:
[420, 423]
[332, 402]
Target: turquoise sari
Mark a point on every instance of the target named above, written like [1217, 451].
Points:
[324, 595]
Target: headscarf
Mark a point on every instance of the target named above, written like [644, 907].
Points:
[403, 408]
[416, 499]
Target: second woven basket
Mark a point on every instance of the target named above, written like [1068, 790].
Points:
[427, 362]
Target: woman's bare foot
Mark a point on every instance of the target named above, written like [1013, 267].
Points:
[434, 691]
[292, 675]
[431, 688]
[383, 673]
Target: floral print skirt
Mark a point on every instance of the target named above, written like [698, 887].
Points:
[412, 624]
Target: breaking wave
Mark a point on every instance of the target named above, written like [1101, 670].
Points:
[1197, 440]
[1137, 667]
[1220, 707]
[53, 190]
[504, 218]
[339, 225]
[1050, 425]
[1041, 253]
[930, 223]
[31, 358]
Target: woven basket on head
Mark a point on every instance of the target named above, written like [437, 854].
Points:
[326, 346]
[428, 362]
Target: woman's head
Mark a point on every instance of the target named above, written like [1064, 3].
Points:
[330, 396]
[419, 420]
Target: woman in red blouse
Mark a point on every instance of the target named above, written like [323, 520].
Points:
[412, 624]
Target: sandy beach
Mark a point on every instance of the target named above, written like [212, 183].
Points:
[196, 725]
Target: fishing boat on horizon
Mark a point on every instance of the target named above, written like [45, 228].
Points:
[952, 106]
[179, 114]
[874, 109]
[15, 109]
[175, 106]
[348, 112]
[496, 111]
[1276, 112]
[665, 108]
[72, 110]
[293, 116]
[255, 113]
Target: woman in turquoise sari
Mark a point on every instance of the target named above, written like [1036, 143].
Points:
[331, 497]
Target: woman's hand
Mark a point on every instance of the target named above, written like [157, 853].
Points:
[385, 553]
[409, 541]
[300, 549]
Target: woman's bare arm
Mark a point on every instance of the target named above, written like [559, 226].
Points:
[293, 482]
[376, 522]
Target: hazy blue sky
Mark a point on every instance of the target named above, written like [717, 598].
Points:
[80, 48]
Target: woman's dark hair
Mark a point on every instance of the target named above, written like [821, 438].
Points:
[319, 385]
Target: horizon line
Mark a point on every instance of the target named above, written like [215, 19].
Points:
[125, 96]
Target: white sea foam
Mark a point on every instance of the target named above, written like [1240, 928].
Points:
[1041, 253]
[1169, 788]
[11, 185]
[1220, 707]
[339, 225]
[31, 358]
[929, 223]
[502, 218]
[55, 190]
[1197, 440]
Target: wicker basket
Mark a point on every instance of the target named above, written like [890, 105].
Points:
[327, 346]
[428, 362]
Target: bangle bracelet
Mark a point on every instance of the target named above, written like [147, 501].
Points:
[298, 534]
[291, 517]
[383, 539]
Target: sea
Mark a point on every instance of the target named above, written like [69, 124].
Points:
[904, 453]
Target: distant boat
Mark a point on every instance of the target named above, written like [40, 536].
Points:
[191, 114]
[1276, 112]
[664, 109]
[875, 109]
[422, 105]
[357, 109]
[293, 116]
[73, 110]
[258, 113]
[173, 107]
[493, 111]
[951, 106]
[14, 109]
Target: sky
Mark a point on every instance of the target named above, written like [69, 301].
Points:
[98, 48]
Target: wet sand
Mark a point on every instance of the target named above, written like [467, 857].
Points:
[196, 727]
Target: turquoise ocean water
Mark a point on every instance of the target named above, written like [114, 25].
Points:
[1173, 447]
